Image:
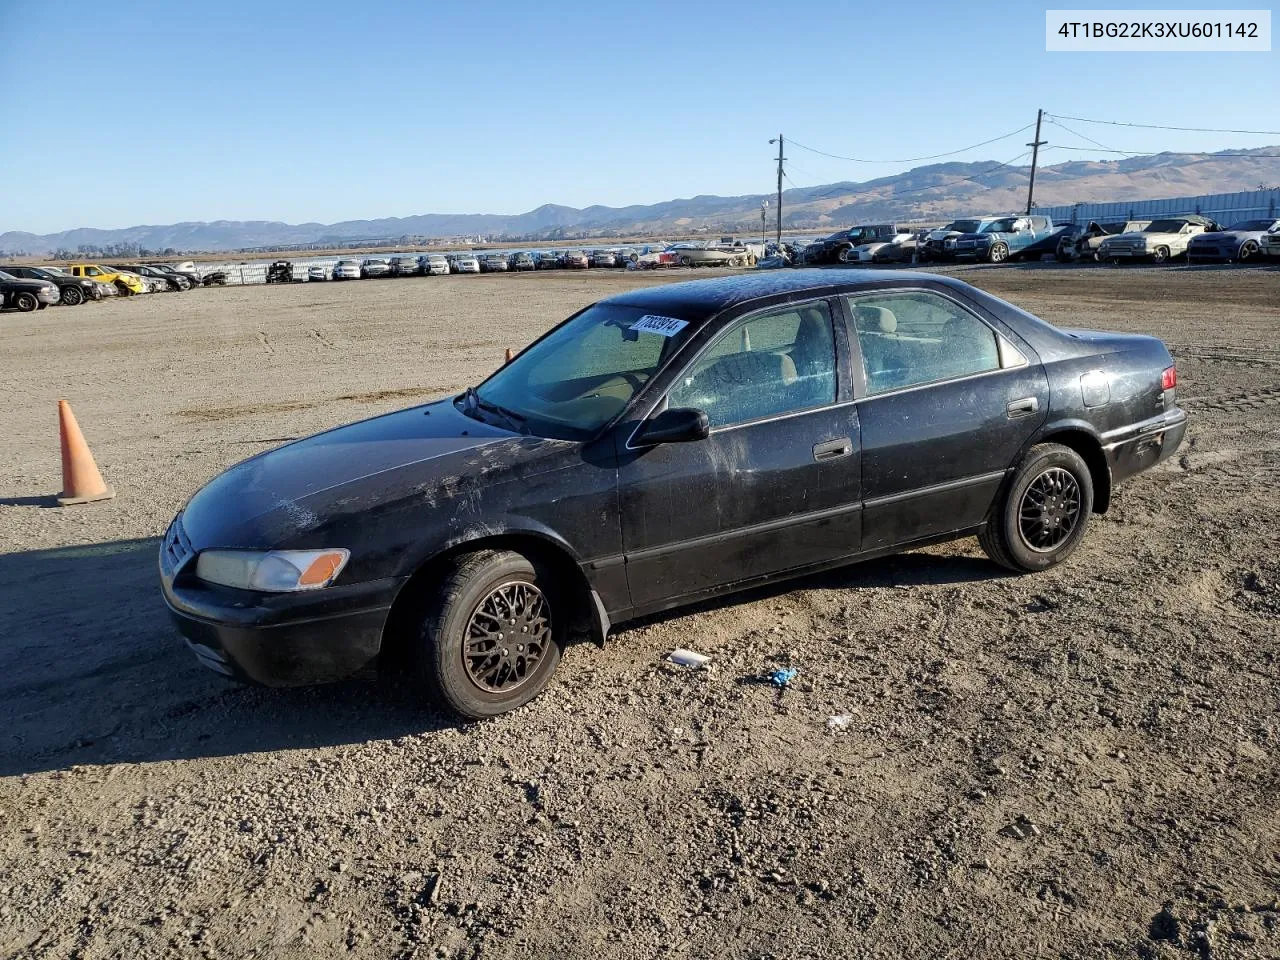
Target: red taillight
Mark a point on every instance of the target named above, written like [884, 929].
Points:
[1169, 379]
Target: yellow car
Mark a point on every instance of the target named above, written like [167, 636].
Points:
[128, 283]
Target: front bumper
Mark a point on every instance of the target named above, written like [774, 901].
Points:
[284, 639]
[47, 295]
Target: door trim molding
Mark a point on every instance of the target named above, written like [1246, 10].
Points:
[796, 519]
[935, 488]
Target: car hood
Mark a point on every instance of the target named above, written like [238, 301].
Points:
[1229, 236]
[276, 496]
[22, 283]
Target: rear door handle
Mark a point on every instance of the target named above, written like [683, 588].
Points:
[1022, 408]
[833, 449]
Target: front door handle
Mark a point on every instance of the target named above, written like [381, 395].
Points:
[832, 449]
[1022, 408]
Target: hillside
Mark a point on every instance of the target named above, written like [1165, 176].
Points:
[935, 191]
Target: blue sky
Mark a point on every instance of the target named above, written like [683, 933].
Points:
[155, 113]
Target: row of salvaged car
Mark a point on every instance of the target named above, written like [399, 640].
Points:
[29, 288]
[1009, 238]
[725, 252]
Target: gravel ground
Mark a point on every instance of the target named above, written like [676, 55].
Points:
[1074, 764]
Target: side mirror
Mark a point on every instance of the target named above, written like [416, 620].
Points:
[678, 425]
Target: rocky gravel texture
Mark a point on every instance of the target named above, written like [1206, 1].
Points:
[1076, 764]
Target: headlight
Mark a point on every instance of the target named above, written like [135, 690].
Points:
[275, 571]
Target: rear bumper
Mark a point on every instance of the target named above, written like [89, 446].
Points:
[282, 640]
[1143, 445]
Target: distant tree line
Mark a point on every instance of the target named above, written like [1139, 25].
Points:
[120, 251]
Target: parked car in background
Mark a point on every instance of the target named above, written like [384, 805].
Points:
[684, 441]
[280, 272]
[72, 291]
[347, 270]
[830, 249]
[1241, 241]
[374, 267]
[523, 260]
[186, 269]
[1001, 239]
[865, 252]
[939, 244]
[127, 283]
[604, 258]
[405, 265]
[546, 260]
[1270, 245]
[576, 260]
[434, 264]
[164, 279]
[464, 263]
[1082, 240]
[26, 295]
[316, 273]
[493, 262]
[901, 250]
[1159, 242]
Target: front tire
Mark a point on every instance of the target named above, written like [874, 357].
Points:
[999, 253]
[1160, 255]
[72, 296]
[1041, 518]
[491, 634]
[26, 302]
[1248, 250]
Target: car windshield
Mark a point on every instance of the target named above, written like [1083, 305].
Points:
[963, 226]
[1165, 226]
[1253, 225]
[583, 374]
[57, 270]
[999, 226]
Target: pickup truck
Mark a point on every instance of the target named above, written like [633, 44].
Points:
[999, 240]
[126, 283]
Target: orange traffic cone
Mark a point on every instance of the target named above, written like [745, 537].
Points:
[81, 481]
[509, 356]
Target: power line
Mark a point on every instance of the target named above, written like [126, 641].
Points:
[1157, 126]
[937, 186]
[1076, 133]
[935, 156]
[1181, 153]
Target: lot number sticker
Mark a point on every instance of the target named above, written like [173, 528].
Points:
[663, 326]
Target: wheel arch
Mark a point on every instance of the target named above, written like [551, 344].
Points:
[589, 615]
[1087, 444]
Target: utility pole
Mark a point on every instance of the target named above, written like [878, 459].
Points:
[780, 159]
[1035, 154]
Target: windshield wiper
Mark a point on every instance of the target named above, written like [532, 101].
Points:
[472, 405]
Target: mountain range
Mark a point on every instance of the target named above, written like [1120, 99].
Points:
[936, 191]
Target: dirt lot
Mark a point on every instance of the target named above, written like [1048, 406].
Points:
[1075, 764]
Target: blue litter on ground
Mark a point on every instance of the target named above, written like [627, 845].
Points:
[782, 677]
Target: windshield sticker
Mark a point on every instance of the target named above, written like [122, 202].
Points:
[663, 326]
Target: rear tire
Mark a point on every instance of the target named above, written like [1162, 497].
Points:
[490, 636]
[1042, 515]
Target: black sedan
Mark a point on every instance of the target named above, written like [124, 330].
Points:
[658, 448]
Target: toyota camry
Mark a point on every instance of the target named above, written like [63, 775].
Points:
[655, 449]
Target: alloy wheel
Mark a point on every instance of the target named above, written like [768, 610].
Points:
[72, 296]
[507, 636]
[1050, 510]
[999, 252]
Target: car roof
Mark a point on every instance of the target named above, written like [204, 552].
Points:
[699, 299]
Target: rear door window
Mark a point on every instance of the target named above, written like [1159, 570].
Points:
[917, 337]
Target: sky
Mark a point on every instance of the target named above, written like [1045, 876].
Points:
[152, 113]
